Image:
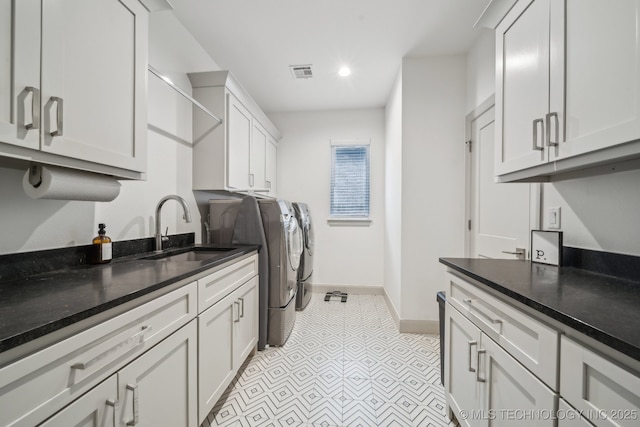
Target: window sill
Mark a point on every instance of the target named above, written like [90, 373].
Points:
[356, 222]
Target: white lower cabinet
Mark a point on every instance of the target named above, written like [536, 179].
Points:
[227, 334]
[160, 387]
[157, 389]
[603, 391]
[97, 408]
[485, 385]
[569, 417]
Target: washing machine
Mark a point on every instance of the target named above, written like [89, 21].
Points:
[303, 292]
[284, 242]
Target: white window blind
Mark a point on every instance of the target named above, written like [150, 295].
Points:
[349, 181]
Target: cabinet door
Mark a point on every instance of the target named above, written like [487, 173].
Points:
[215, 352]
[607, 394]
[238, 144]
[245, 334]
[463, 392]
[258, 156]
[20, 73]
[569, 417]
[160, 387]
[600, 100]
[94, 409]
[511, 391]
[94, 74]
[522, 86]
[271, 167]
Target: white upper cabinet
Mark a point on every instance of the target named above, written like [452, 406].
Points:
[77, 85]
[237, 155]
[271, 167]
[567, 87]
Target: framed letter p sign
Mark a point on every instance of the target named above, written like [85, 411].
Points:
[546, 247]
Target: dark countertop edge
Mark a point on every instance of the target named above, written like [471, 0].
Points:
[14, 341]
[580, 326]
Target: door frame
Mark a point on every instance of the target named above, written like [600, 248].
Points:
[535, 194]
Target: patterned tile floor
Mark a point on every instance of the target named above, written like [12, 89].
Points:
[345, 364]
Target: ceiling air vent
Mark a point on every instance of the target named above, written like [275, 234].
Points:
[301, 71]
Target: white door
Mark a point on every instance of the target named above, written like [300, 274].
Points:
[500, 216]
[271, 166]
[245, 336]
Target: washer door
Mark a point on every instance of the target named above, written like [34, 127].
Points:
[294, 243]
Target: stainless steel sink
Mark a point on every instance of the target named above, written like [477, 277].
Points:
[192, 255]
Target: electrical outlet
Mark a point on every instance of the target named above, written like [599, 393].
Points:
[553, 218]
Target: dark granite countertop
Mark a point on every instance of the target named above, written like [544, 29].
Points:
[37, 305]
[603, 307]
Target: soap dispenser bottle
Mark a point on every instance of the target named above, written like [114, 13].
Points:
[101, 253]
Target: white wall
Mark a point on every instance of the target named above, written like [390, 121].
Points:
[481, 70]
[345, 255]
[598, 213]
[433, 109]
[393, 196]
[29, 225]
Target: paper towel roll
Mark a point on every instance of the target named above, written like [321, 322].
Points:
[54, 182]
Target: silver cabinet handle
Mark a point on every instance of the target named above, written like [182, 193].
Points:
[112, 403]
[480, 380]
[136, 409]
[59, 116]
[238, 319]
[471, 344]
[251, 180]
[137, 338]
[556, 141]
[535, 134]
[268, 184]
[241, 307]
[35, 108]
[468, 300]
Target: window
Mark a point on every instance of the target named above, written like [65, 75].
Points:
[350, 181]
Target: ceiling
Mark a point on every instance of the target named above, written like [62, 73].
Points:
[257, 40]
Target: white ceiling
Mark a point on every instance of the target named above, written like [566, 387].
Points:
[258, 39]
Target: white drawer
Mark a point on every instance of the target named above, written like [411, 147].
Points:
[40, 384]
[604, 392]
[569, 417]
[531, 342]
[222, 281]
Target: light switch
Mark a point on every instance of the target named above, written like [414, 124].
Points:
[553, 218]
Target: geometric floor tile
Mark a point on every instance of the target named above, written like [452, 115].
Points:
[345, 364]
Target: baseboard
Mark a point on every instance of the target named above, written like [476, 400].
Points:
[416, 326]
[350, 289]
[411, 326]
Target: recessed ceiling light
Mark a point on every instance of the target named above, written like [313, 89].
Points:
[344, 71]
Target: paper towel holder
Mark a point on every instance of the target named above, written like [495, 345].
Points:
[35, 175]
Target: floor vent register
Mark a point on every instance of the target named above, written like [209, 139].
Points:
[336, 294]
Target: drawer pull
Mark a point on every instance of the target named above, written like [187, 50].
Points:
[468, 301]
[238, 319]
[137, 338]
[35, 108]
[59, 116]
[136, 414]
[535, 134]
[241, 307]
[471, 344]
[478, 379]
[486, 316]
[112, 403]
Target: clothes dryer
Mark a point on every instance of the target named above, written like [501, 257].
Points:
[284, 242]
[303, 292]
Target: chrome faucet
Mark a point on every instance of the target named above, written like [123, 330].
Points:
[187, 217]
